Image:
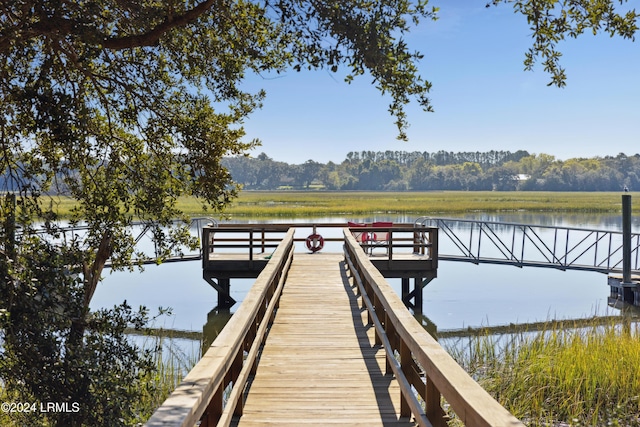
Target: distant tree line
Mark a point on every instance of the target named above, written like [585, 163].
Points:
[442, 170]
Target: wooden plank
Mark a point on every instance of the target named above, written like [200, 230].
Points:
[319, 365]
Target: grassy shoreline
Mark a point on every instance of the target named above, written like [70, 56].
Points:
[585, 375]
[277, 204]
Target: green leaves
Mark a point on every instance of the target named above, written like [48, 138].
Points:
[41, 298]
[551, 21]
[127, 106]
[103, 95]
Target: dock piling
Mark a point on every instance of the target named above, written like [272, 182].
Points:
[626, 239]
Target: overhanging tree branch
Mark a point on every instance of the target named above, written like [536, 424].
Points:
[151, 37]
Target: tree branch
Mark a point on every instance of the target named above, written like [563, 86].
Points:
[151, 37]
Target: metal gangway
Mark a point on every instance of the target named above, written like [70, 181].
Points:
[529, 245]
[142, 235]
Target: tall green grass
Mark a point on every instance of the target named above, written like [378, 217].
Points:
[292, 204]
[172, 363]
[561, 377]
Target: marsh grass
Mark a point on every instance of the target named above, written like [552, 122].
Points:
[172, 363]
[292, 204]
[561, 377]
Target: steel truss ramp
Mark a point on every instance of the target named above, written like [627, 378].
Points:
[528, 245]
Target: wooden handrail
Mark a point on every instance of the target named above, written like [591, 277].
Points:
[200, 395]
[420, 355]
[252, 238]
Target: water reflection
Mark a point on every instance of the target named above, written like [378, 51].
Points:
[216, 320]
[427, 324]
[462, 295]
[579, 220]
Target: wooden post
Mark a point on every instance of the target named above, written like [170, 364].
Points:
[251, 248]
[405, 365]
[213, 412]
[379, 311]
[260, 317]
[236, 368]
[433, 250]
[223, 286]
[390, 332]
[369, 292]
[417, 296]
[405, 292]
[433, 409]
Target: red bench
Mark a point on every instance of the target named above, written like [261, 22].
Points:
[370, 239]
[381, 238]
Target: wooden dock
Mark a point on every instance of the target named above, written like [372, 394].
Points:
[323, 339]
[244, 250]
[320, 365]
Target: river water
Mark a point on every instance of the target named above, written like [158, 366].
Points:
[462, 295]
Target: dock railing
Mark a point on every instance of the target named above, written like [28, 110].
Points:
[212, 392]
[521, 245]
[246, 239]
[255, 239]
[416, 359]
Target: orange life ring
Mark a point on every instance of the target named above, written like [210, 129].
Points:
[315, 242]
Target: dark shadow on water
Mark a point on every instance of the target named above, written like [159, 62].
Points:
[216, 320]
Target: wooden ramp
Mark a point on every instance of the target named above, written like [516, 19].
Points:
[319, 365]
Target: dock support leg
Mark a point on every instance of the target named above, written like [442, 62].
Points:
[223, 286]
[627, 295]
[405, 292]
[413, 299]
[409, 297]
[417, 286]
[224, 296]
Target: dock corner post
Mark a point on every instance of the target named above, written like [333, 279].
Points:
[204, 247]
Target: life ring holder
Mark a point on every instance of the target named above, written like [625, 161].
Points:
[315, 242]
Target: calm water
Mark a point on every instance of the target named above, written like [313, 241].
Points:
[463, 295]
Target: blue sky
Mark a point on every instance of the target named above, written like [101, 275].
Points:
[483, 98]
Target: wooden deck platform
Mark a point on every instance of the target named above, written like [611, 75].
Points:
[319, 365]
[242, 251]
[238, 265]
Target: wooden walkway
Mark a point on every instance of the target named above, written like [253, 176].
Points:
[302, 349]
[319, 365]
